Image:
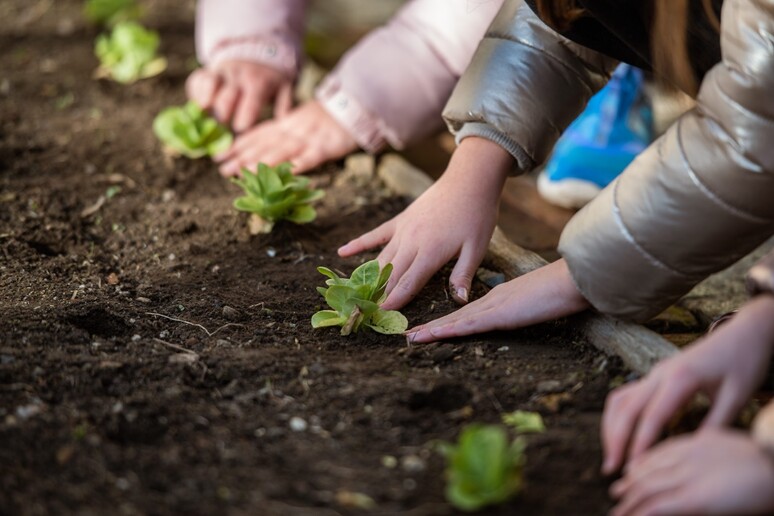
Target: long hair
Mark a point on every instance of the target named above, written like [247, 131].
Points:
[669, 35]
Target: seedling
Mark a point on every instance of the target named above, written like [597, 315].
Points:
[274, 193]
[483, 468]
[128, 54]
[525, 422]
[355, 301]
[111, 12]
[189, 131]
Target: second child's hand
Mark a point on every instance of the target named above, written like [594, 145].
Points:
[544, 294]
[454, 218]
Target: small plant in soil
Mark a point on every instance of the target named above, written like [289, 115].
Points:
[111, 12]
[355, 301]
[483, 468]
[525, 422]
[128, 53]
[187, 130]
[273, 194]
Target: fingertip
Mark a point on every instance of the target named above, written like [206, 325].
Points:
[347, 250]
[459, 295]
[230, 169]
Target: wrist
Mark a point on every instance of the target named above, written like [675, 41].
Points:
[480, 164]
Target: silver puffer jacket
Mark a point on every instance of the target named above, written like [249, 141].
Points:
[697, 200]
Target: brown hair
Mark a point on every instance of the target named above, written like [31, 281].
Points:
[669, 35]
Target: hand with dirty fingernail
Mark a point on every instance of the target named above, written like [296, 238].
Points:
[455, 217]
[544, 294]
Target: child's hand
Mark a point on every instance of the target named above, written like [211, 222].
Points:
[544, 294]
[307, 136]
[710, 472]
[727, 365]
[236, 91]
[455, 217]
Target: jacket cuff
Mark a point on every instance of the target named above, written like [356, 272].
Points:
[760, 279]
[483, 130]
[274, 51]
[365, 128]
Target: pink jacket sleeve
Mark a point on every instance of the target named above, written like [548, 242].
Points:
[391, 88]
[265, 31]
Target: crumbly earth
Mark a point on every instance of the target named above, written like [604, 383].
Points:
[156, 359]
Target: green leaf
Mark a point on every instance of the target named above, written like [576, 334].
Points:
[325, 271]
[302, 214]
[283, 196]
[483, 468]
[340, 298]
[389, 322]
[326, 318]
[191, 132]
[525, 422]
[129, 53]
[111, 12]
[353, 299]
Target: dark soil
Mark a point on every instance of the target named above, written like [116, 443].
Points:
[153, 355]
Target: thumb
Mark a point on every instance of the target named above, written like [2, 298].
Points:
[461, 277]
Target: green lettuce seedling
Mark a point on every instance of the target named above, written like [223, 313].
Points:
[355, 301]
[189, 131]
[274, 193]
[483, 468]
[111, 12]
[525, 422]
[128, 54]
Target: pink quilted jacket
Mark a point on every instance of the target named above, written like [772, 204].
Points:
[390, 88]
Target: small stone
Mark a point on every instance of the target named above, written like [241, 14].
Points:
[412, 464]
[358, 170]
[401, 177]
[271, 252]
[110, 364]
[549, 386]
[27, 411]
[490, 278]
[168, 195]
[112, 279]
[230, 313]
[135, 338]
[355, 500]
[503, 348]
[443, 353]
[143, 300]
[164, 334]
[64, 454]
[389, 462]
[183, 358]
[297, 424]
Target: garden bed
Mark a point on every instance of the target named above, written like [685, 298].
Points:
[155, 358]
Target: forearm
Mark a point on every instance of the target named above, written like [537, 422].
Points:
[524, 86]
[431, 43]
[480, 168]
